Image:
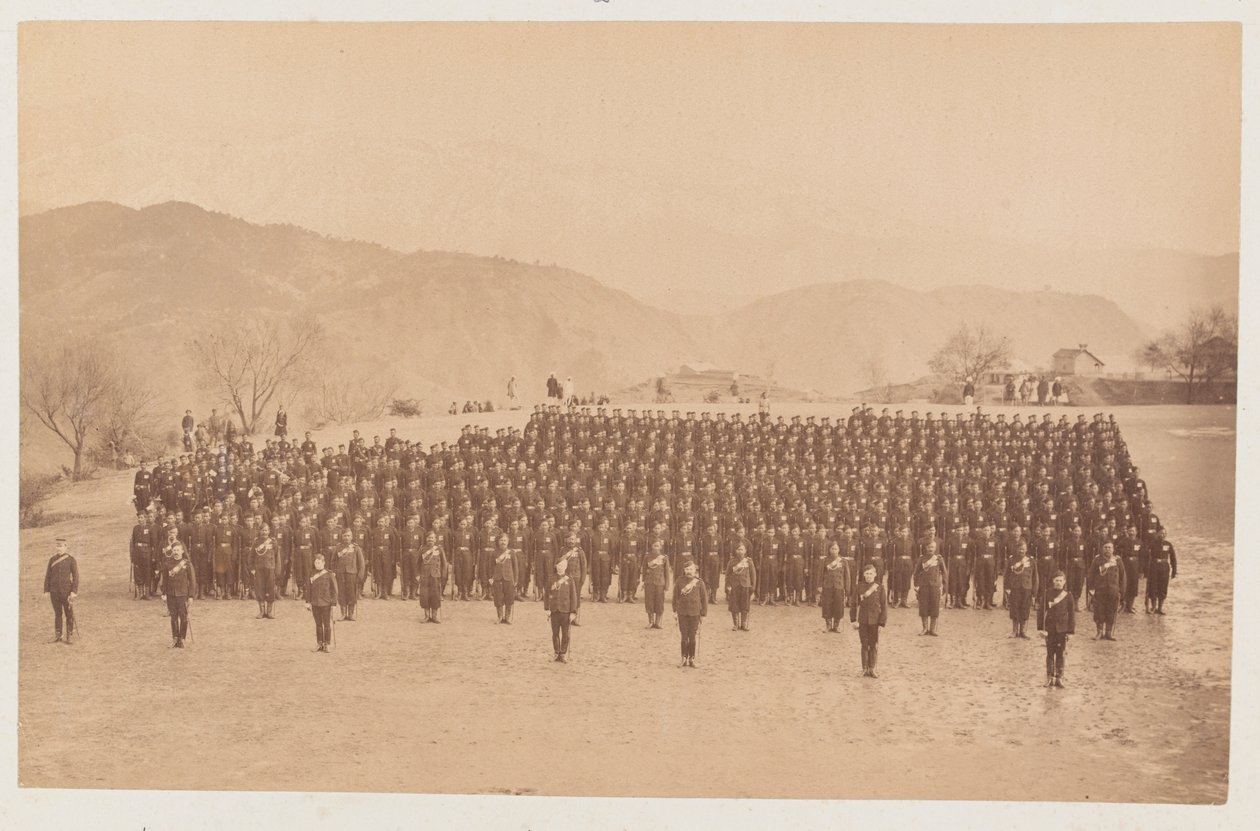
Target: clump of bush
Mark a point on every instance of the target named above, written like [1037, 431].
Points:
[32, 491]
[406, 408]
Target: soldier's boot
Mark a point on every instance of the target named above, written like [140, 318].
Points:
[271, 606]
[1059, 673]
[58, 638]
[262, 611]
[734, 621]
[1014, 630]
[874, 654]
[508, 619]
[932, 626]
[866, 661]
[353, 606]
[1098, 631]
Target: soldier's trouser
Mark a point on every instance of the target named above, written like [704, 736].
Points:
[689, 625]
[1056, 643]
[430, 593]
[628, 580]
[1105, 602]
[654, 599]
[62, 608]
[264, 584]
[463, 573]
[832, 602]
[140, 570]
[323, 624]
[1021, 601]
[177, 607]
[741, 599]
[409, 574]
[504, 594]
[1157, 581]
[560, 632]
[1076, 578]
[601, 575]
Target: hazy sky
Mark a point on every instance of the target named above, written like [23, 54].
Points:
[1112, 135]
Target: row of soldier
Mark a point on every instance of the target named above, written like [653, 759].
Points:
[304, 505]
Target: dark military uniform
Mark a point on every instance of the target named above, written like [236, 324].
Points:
[61, 579]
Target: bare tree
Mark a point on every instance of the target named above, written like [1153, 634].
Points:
[877, 376]
[80, 390]
[1199, 351]
[341, 397]
[245, 363]
[130, 421]
[971, 351]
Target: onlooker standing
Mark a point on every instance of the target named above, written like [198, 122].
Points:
[1043, 390]
[282, 422]
[969, 392]
[1056, 391]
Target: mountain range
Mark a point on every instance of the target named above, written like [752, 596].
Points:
[455, 326]
[670, 237]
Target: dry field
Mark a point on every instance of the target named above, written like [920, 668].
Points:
[781, 711]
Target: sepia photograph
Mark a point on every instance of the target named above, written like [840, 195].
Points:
[628, 409]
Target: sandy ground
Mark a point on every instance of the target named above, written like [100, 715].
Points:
[781, 711]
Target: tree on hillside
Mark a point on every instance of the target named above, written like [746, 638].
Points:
[1199, 351]
[79, 389]
[877, 376]
[338, 396]
[246, 363]
[131, 421]
[971, 351]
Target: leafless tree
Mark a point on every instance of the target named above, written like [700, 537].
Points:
[339, 396]
[971, 351]
[877, 376]
[1198, 351]
[131, 421]
[246, 362]
[78, 388]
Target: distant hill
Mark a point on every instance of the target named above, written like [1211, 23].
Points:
[455, 326]
[680, 243]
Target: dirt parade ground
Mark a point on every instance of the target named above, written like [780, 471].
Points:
[783, 710]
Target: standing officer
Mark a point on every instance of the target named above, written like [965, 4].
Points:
[690, 605]
[61, 583]
[930, 576]
[741, 577]
[560, 602]
[1056, 619]
[431, 574]
[349, 565]
[179, 584]
[1020, 583]
[834, 583]
[263, 564]
[902, 567]
[503, 580]
[1161, 566]
[143, 543]
[868, 611]
[1130, 550]
[321, 596]
[656, 580]
[1103, 581]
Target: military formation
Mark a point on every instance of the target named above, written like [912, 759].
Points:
[757, 511]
